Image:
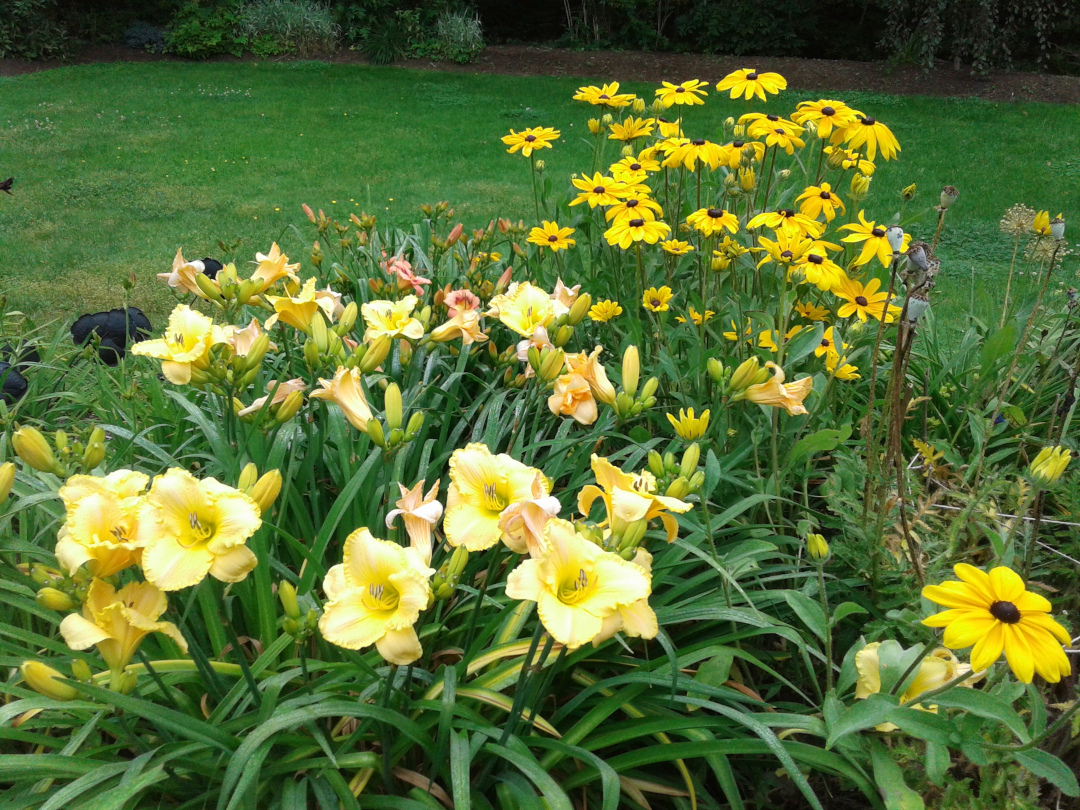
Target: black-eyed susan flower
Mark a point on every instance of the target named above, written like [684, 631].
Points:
[789, 220]
[694, 153]
[597, 190]
[839, 367]
[820, 201]
[530, 140]
[874, 238]
[708, 221]
[826, 115]
[657, 299]
[767, 338]
[864, 300]
[669, 129]
[818, 269]
[748, 83]
[730, 248]
[606, 96]
[758, 125]
[675, 247]
[551, 236]
[638, 206]
[630, 129]
[1049, 465]
[733, 333]
[689, 427]
[696, 318]
[871, 133]
[811, 311]
[625, 232]
[788, 248]
[782, 138]
[735, 151]
[828, 344]
[840, 158]
[632, 169]
[688, 92]
[995, 613]
[604, 311]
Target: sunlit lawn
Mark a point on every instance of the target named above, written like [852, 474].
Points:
[118, 165]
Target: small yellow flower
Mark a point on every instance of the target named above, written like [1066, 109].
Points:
[631, 129]
[674, 247]
[816, 547]
[374, 596]
[696, 317]
[838, 367]
[812, 312]
[552, 236]
[529, 140]
[689, 427]
[606, 96]
[749, 83]
[604, 311]
[1049, 465]
[1041, 224]
[656, 300]
[689, 93]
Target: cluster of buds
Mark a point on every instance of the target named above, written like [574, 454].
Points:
[57, 592]
[439, 209]
[677, 479]
[629, 402]
[326, 346]
[263, 489]
[69, 457]
[368, 356]
[298, 623]
[547, 363]
[224, 368]
[732, 381]
[449, 574]
[394, 436]
[286, 399]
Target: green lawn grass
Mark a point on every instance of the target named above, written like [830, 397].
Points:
[118, 165]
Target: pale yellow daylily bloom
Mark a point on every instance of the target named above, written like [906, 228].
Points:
[629, 498]
[523, 523]
[575, 584]
[465, 325]
[391, 319]
[776, 393]
[116, 621]
[936, 669]
[419, 513]
[102, 522]
[241, 340]
[375, 597]
[345, 391]
[636, 619]
[187, 340]
[276, 393]
[273, 267]
[190, 528]
[297, 311]
[573, 397]
[482, 487]
[523, 308]
[589, 366]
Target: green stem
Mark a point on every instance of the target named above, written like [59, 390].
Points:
[828, 629]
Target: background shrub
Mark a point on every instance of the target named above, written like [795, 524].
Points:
[288, 26]
[144, 36]
[198, 31]
[460, 35]
[30, 29]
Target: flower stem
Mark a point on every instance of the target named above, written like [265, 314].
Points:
[828, 629]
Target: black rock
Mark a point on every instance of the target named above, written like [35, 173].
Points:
[211, 267]
[13, 385]
[115, 329]
[22, 355]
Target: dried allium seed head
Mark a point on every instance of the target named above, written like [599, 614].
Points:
[1018, 220]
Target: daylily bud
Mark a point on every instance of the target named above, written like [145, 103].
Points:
[287, 594]
[375, 433]
[257, 352]
[631, 368]
[579, 309]
[289, 407]
[715, 369]
[248, 476]
[128, 681]
[93, 455]
[347, 320]
[633, 535]
[34, 450]
[266, 490]
[311, 353]
[392, 405]
[690, 460]
[416, 422]
[679, 488]
[744, 374]
[551, 364]
[310, 214]
[649, 388]
[208, 287]
[60, 440]
[405, 352]
[816, 547]
[454, 235]
[54, 599]
[563, 335]
[656, 464]
[7, 478]
[696, 480]
[81, 670]
[534, 358]
[318, 333]
[47, 681]
[376, 353]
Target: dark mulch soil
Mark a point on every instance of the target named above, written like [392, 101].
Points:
[802, 74]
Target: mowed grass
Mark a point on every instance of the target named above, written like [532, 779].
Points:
[119, 165]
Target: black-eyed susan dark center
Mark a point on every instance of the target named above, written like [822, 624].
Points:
[861, 300]
[715, 213]
[878, 232]
[637, 223]
[1005, 612]
[827, 111]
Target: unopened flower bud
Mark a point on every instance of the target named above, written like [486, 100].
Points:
[579, 309]
[128, 681]
[54, 599]
[631, 368]
[638, 105]
[47, 681]
[248, 476]
[563, 335]
[93, 455]
[534, 358]
[208, 287]
[606, 119]
[679, 488]
[729, 122]
[375, 433]
[81, 670]
[816, 547]
[715, 369]
[7, 478]
[454, 235]
[540, 166]
[392, 406]
[744, 375]
[266, 489]
[783, 174]
[908, 193]
[690, 460]
[697, 480]
[594, 128]
[311, 353]
[289, 407]
[649, 388]
[551, 364]
[287, 594]
[347, 320]
[860, 184]
[34, 450]
[375, 354]
[416, 422]
[656, 464]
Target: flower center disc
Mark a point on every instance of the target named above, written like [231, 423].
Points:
[598, 190]
[869, 122]
[751, 77]
[715, 213]
[530, 138]
[878, 232]
[635, 167]
[636, 223]
[553, 238]
[698, 142]
[827, 111]
[861, 301]
[1005, 612]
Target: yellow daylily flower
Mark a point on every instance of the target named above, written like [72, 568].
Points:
[374, 596]
[573, 397]
[298, 311]
[690, 427]
[273, 267]
[635, 619]
[391, 319]
[116, 621]
[629, 498]
[190, 528]
[345, 391]
[775, 392]
[102, 522]
[482, 487]
[187, 340]
[576, 585]
[523, 308]
[419, 513]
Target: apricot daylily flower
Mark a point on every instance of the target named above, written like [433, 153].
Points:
[402, 269]
[573, 397]
[116, 621]
[419, 512]
[102, 519]
[592, 370]
[576, 584]
[374, 596]
[749, 83]
[460, 301]
[242, 340]
[629, 498]
[190, 528]
[276, 393]
[273, 267]
[391, 319]
[776, 393]
[482, 487]
[182, 275]
[524, 308]
[465, 325]
[187, 339]
[523, 523]
[345, 391]
[298, 311]
[563, 297]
